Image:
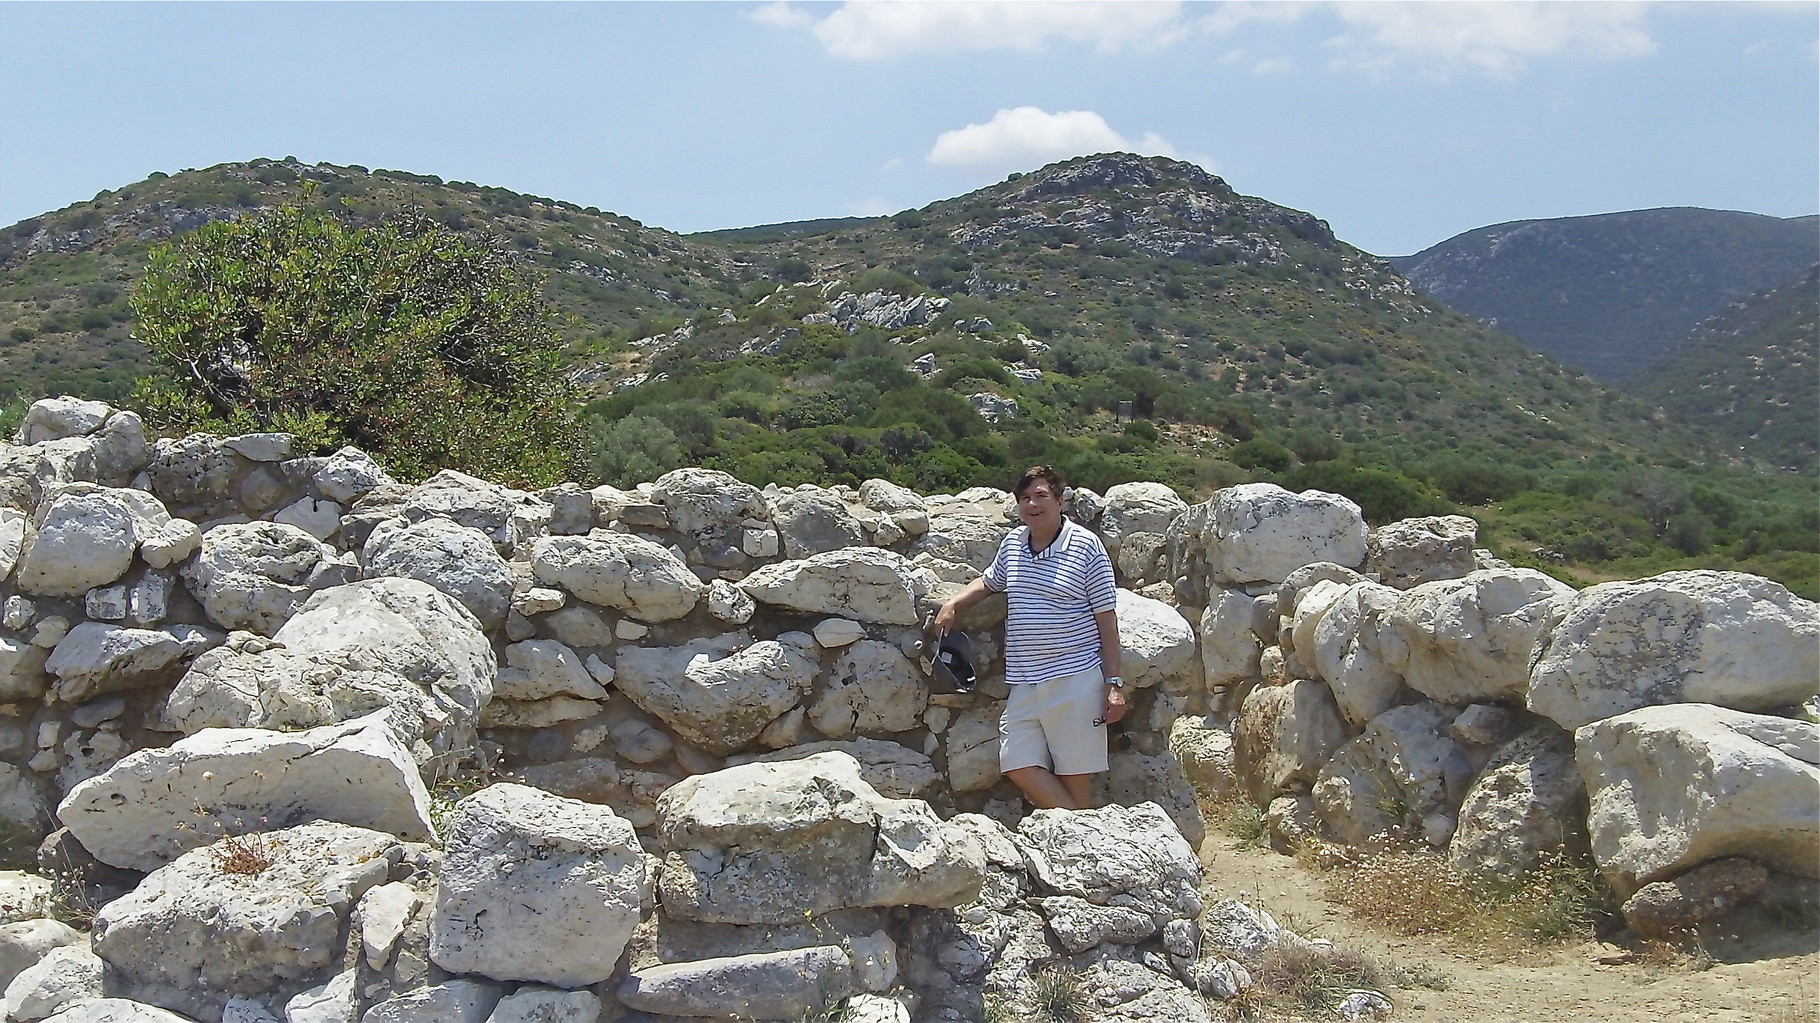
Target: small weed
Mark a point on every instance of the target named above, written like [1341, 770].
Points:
[1419, 976]
[1236, 816]
[1312, 976]
[994, 1010]
[71, 899]
[248, 854]
[1058, 994]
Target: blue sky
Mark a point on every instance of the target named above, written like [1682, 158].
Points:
[1400, 124]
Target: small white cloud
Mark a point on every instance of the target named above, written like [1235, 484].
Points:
[1499, 38]
[1273, 66]
[783, 15]
[871, 206]
[882, 29]
[1026, 137]
[895, 163]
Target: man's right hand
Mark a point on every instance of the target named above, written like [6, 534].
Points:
[944, 619]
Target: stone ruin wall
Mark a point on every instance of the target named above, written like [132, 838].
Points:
[1355, 684]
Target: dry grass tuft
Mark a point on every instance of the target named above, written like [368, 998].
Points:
[1058, 995]
[1314, 977]
[1235, 816]
[248, 854]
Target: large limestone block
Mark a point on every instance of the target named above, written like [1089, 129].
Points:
[507, 517]
[1472, 639]
[1309, 607]
[706, 504]
[389, 644]
[814, 520]
[1137, 508]
[793, 984]
[1724, 638]
[95, 658]
[1404, 775]
[254, 575]
[618, 570]
[1282, 737]
[1411, 552]
[21, 670]
[864, 584]
[66, 974]
[714, 694]
[193, 935]
[1116, 855]
[1527, 804]
[895, 770]
[158, 803]
[24, 812]
[1203, 746]
[1134, 777]
[12, 538]
[1346, 649]
[540, 668]
[971, 745]
[547, 1005]
[348, 475]
[461, 1000]
[51, 419]
[963, 540]
[1671, 787]
[1229, 647]
[458, 560]
[25, 943]
[872, 688]
[771, 843]
[1156, 644]
[537, 887]
[115, 1010]
[1259, 532]
[85, 538]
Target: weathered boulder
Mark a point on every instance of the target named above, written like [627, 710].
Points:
[1156, 644]
[158, 803]
[1345, 650]
[95, 658]
[85, 537]
[254, 575]
[1229, 647]
[458, 560]
[813, 520]
[1203, 746]
[509, 518]
[1114, 855]
[389, 644]
[717, 694]
[1282, 737]
[708, 506]
[1411, 552]
[1136, 508]
[618, 570]
[1723, 638]
[1133, 777]
[864, 584]
[254, 917]
[895, 770]
[1526, 805]
[51, 419]
[65, 975]
[547, 1005]
[537, 887]
[461, 1000]
[348, 475]
[1259, 532]
[1671, 787]
[540, 668]
[791, 984]
[1679, 909]
[26, 942]
[114, 1010]
[971, 745]
[1471, 639]
[1403, 775]
[873, 687]
[773, 842]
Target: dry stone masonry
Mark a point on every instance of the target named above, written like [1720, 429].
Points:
[293, 740]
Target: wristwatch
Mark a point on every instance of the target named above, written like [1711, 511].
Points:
[1115, 682]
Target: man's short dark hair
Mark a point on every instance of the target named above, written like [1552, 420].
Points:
[1043, 473]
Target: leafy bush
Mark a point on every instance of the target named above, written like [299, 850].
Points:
[421, 347]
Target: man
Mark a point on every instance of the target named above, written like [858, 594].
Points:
[1061, 647]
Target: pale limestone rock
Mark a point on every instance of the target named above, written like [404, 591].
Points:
[1345, 647]
[1410, 552]
[1156, 645]
[547, 1005]
[114, 1010]
[1133, 777]
[896, 771]
[171, 543]
[707, 505]
[1290, 821]
[1229, 647]
[509, 518]
[1115, 855]
[12, 539]
[787, 985]
[85, 538]
[956, 534]
[94, 658]
[872, 688]
[1723, 638]
[1311, 605]
[1259, 532]
[1528, 803]
[711, 693]
[1471, 639]
[1401, 770]
[865, 584]
[1283, 736]
[538, 600]
[1080, 925]
[1203, 747]
[812, 521]
[1671, 787]
[833, 633]
[619, 571]
[66, 974]
[729, 603]
[24, 943]
[540, 668]
[545, 713]
[537, 887]
[461, 1000]
[971, 745]
[156, 804]
[458, 560]
[255, 575]
[51, 419]
[336, 1000]
[191, 935]
[382, 914]
[320, 519]
[1136, 508]
[771, 842]
[348, 475]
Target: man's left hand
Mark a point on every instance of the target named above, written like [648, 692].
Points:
[1115, 704]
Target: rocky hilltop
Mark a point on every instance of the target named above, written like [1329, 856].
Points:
[288, 738]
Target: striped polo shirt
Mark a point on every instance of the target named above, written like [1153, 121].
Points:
[1053, 596]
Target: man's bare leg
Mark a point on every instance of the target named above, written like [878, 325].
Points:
[1048, 792]
[1080, 787]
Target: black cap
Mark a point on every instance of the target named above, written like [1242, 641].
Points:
[953, 667]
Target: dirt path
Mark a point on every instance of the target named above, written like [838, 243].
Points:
[1591, 982]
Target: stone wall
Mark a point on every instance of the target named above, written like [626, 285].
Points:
[703, 707]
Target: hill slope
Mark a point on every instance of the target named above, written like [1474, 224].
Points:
[1610, 294]
[1750, 374]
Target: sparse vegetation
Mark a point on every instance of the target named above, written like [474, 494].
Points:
[249, 854]
[1313, 977]
[1057, 995]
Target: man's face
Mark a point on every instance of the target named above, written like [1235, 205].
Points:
[1039, 506]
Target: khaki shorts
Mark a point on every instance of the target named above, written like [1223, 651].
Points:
[1051, 724]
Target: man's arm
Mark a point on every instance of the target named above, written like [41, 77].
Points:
[1108, 624]
[973, 593]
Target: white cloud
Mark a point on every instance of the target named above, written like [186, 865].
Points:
[871, 206]
[1026, 137]
[891, 28]
[1499, 38]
